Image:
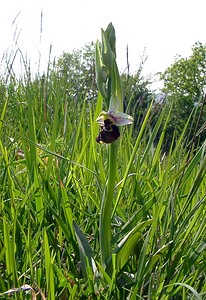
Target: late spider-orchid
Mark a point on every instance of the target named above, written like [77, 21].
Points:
[109, 122]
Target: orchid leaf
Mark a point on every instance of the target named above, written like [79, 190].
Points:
[127, 244]
[101, 72]
[85, 250]
[116, 100]
[107, 54]
[110, 33]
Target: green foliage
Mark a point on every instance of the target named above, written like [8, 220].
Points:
[77, 72]
[184, 85]
[137, 97]
[52, 177]
[187, 75]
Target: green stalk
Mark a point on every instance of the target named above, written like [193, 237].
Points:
[106, 208]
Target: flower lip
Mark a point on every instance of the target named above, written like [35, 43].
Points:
[108, 134]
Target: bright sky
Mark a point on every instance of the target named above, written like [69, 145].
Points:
[164, 27]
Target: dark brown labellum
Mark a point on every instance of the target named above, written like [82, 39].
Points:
[108, 133]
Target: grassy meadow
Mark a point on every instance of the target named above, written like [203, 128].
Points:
[53, 176]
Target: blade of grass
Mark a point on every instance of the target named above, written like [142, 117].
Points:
[131, 159]
[84, 249]
[50, 282]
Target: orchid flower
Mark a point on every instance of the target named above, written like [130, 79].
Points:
[109, 122]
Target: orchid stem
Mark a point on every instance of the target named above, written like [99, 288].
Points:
[106, 208]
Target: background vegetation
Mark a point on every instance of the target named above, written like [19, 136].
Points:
[53, 173]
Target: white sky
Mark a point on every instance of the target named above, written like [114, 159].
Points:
[164, 27]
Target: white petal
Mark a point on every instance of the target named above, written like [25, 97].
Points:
[120, 119]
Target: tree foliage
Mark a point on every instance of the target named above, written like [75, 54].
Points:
[137, 94]
[184, 86]
[77, 73]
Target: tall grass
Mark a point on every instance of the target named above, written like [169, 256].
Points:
[52, 180]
